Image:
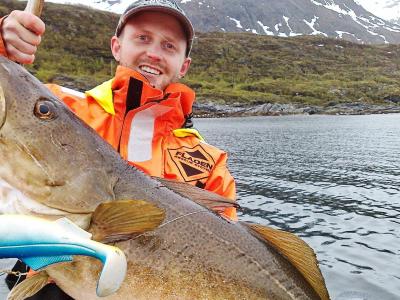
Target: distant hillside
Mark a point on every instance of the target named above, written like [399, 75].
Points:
[341, 19]
[227, 67]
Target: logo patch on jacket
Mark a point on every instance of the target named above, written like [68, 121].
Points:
[193, 163]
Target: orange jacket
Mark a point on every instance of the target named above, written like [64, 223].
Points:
[2, 47]
[145, 125]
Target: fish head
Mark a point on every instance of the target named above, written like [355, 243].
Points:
[46, 152]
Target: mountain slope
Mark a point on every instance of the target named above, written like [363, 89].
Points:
[386, 9]
[331, 18]
[338, 19]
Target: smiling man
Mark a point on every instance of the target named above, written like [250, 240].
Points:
[156, 51]
[143, 112]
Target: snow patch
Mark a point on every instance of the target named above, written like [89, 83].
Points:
[265, 28]
[370, 24]
[385, 9]
[312, 24]
[331, 6]
[238, 25]
[341, 33]
[291, 33]
[118, 7]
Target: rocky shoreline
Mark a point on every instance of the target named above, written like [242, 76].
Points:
[212, 110]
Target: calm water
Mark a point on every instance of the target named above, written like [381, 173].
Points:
[334, 181]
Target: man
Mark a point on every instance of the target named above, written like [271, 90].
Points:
[143, 112]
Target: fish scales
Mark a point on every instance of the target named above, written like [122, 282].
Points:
[173, 256]
[194, 254]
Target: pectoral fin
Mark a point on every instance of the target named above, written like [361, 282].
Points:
[296, 251]
[29, 287]
[122, 220]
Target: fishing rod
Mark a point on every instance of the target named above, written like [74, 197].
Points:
[35, 7]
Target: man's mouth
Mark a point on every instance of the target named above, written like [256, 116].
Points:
[150, 70]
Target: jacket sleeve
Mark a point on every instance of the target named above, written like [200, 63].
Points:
[3, 51]
[221, 182]
[71, 98]
[80, 104]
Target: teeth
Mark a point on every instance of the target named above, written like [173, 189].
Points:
[150, 70]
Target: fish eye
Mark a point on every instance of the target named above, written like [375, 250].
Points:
[44, 110]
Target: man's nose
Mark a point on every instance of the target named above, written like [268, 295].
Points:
[154, 52]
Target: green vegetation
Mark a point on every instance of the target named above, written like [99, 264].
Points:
[310, 70]
[227, 67]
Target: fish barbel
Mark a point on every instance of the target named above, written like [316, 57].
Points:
[59, 163]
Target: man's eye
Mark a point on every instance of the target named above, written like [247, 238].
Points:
[169, 46]
[143, 37]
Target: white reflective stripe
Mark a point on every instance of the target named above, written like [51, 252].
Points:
[73, 92]
[142, 131]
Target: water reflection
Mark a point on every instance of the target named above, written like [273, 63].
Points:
[333, 180]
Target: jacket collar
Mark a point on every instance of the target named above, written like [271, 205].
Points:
[112, 94]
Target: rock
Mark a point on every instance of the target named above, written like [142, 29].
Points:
[393, 99]
[209, 109]
[312, 110]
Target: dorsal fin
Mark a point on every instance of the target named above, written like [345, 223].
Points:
[122, 220]
[202, 197]
[296, 251]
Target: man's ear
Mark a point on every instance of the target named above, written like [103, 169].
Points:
[116, 48]
[185, 67]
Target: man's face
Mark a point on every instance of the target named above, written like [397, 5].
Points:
[153, 44]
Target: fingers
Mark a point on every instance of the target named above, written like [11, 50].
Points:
[16, 55]
[21, 32]
[31, 22]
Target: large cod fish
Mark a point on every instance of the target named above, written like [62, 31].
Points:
[177, 245]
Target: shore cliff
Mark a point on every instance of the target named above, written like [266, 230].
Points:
[211, 110]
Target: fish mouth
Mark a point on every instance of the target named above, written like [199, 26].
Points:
[13, 201]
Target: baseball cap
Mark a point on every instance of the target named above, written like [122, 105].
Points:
[167, 6]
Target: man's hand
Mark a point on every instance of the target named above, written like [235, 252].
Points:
[21, 32]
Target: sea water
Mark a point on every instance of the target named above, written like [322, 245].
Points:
[332, 180]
